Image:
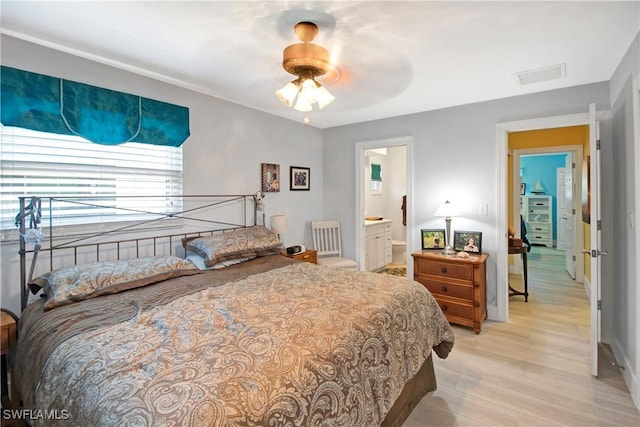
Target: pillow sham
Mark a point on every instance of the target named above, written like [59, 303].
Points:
[225, 245]
[79, 282]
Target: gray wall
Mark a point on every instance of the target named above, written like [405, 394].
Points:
[228, 143]
[455, 157]
[622, 291]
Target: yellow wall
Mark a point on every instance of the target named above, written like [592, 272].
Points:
[571, 135]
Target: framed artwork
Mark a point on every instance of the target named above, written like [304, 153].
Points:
[299, 178]
[467, 241]
[270, 178]
[523, 188]
[433, 238]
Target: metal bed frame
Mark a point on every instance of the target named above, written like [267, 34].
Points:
[31, 210]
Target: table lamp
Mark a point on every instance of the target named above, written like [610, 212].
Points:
[278, 224]
[448, 210]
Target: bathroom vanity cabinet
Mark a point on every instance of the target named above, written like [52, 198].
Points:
[378, 244]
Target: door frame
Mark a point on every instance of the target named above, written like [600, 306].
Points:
[501, 312]
[578, 237]
[634, 383]
[561, 177]
[360, 148]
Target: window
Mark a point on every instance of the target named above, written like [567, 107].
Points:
[45, 165]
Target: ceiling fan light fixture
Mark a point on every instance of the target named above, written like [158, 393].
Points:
[288, 93]
[323, 96]
[306, 61]
[303, 104]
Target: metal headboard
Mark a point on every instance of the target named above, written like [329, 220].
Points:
[151, 232]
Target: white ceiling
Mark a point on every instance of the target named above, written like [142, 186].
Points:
[394, 57]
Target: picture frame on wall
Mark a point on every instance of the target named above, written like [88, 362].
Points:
[467, 241]
[299, 178]
[270, 177]
[433, 238]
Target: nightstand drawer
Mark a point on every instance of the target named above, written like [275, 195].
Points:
[452, 309]
[8, 332]
[445, 269]
[448, 289]
[310, 255]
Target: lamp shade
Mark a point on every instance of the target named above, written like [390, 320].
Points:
[447, 209]
[278, 224]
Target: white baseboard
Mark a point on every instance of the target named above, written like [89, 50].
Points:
[628, 373]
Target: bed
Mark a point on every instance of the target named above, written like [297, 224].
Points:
[227, 333]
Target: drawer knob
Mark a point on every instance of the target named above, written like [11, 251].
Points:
[444, 307]
[444, 289]
[443, 270]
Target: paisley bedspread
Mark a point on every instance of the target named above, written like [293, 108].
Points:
[295, 345]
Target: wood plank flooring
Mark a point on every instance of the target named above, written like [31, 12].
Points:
[533, 370]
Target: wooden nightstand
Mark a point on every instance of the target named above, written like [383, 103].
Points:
[310, 255]
[458, 284]
[9, 339]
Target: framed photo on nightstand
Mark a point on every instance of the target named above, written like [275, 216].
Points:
[467, 241]
[432, 239]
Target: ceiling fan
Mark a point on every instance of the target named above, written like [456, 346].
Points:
[307, 61]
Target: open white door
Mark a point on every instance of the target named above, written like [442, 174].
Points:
[595, 251]
[569, 216]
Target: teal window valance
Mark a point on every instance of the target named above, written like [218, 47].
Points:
[376, 172]
[50, 104]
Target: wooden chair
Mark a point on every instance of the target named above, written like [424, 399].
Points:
[327, 240]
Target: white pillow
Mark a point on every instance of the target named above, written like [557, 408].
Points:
[200, 263]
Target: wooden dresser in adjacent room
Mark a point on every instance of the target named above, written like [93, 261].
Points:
[458, 284]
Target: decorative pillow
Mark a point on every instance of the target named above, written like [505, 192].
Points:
[199, 262]
[233, 244]
[79, 282]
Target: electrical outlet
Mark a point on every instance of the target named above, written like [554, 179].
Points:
[483, 209]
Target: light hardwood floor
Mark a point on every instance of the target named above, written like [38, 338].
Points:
[532, 370]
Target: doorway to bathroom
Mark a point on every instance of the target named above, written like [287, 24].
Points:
[383, 205]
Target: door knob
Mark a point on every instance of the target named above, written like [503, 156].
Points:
[594, 252]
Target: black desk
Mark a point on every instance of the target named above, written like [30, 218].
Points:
[523, 251]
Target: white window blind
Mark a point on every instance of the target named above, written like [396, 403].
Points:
[44, 165]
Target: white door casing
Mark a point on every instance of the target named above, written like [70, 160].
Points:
[501, 311]
[360, 148]
[569, 219]
[595, 251]
[561, 213]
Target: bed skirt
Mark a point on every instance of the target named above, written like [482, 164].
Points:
[422, 383]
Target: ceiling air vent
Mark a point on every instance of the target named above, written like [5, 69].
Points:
[544, 74]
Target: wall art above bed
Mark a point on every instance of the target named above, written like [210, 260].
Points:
[300, 178]
[270, 178]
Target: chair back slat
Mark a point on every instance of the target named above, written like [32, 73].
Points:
[326, 238]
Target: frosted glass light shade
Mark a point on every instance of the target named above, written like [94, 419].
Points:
[303, 104]
[323, 97]
[307, 91]
[288, 94]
